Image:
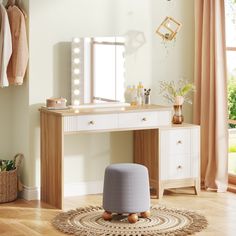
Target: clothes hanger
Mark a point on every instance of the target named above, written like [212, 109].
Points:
[16, 3]
[10, 3]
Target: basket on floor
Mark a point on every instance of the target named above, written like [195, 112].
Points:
[8, 186]
[9, 182]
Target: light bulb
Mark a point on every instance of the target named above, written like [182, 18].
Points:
[76, 92]
[76, 60]
[76, 50]
[76, 82]
[76, 71]
[76, 102]
[76, 40]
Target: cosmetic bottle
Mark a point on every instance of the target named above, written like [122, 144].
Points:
[128, 94]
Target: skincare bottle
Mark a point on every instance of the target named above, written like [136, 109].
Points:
[128, 94]
[140, 93]
[133, 96]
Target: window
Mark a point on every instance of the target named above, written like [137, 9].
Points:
[230, 13]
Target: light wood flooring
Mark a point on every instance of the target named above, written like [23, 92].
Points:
[33, 218]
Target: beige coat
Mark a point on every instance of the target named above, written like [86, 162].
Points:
[5, 46]
[20, 54]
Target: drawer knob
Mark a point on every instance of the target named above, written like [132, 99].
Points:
[179, 167]
[179, 142]
[144, 119]
[91, 122]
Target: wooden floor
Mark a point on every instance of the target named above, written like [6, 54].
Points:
[33, 218]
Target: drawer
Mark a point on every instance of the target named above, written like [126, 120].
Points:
[179, 167]
[90, 122]
[143, 119]
[177, 141]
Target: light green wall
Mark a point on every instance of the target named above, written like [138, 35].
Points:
[52, 24]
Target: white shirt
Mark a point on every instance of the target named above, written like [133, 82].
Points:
[5, 46]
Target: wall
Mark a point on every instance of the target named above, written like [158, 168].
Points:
[5, 122]
[52, 25]
[14, 118]
[50, 72]
[175, 60]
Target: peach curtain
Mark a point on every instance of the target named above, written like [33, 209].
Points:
[210, 101]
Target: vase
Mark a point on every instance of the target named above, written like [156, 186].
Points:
[179, 100]
[178, 117]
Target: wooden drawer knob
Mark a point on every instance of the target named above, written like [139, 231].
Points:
[144, 119]
[179, 142]
[91, 122]
[179, 167]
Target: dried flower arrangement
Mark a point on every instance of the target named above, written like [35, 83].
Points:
[177, 93]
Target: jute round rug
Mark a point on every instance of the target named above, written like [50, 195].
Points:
[163, 221]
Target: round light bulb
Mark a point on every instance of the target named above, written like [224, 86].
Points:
[76, 60]
[76, 102]
[76, 82]
[76, 50]
[76, 92]
[76, 40]
[76, 71]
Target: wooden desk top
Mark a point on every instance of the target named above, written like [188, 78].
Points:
[107, 110]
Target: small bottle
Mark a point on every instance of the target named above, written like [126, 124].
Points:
[128, 94]
[140, 93]
[133, 96]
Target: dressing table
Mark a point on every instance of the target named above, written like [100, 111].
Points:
[170, 152]
[98, 65]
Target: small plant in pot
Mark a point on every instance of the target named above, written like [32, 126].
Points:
[177, 94]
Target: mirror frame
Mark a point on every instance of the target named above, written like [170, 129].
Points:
[81, 90]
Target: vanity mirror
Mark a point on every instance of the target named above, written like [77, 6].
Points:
[98, 74]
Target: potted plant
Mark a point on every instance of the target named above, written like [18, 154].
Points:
[177, 94]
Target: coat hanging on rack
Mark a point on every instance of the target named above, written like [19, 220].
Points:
[11, 3]
[15, 3]
[20, 53]
[5, 46]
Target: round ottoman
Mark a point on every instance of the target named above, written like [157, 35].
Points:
[126, 191]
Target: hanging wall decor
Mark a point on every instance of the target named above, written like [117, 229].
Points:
[168, 29]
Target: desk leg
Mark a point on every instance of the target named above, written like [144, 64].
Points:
[146, 153]
[52, 143]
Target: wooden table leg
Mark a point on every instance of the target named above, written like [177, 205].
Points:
[52, 143]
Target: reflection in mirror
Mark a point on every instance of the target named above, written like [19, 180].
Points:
[97, 70]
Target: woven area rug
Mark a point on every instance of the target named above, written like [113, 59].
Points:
[163, 221]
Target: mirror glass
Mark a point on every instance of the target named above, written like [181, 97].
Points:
[98, 73]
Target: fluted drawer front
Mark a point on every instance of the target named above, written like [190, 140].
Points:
[179, 167]
[90, 122]
[144, 119]
[179, 141]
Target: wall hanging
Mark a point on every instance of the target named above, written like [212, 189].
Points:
[169, 28]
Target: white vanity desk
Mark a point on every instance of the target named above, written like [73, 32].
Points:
[171, 153]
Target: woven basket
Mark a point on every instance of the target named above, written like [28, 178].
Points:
[8, 186]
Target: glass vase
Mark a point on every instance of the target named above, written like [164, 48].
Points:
[178, 117]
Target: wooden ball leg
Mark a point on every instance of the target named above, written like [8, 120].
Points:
[145, 214]
[107, 215]
[133, 218]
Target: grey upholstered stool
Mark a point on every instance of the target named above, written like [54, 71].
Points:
[126, 191]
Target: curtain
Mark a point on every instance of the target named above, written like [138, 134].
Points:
[210, 99]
